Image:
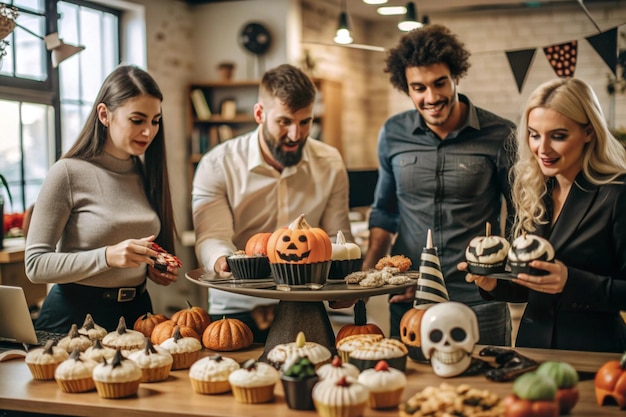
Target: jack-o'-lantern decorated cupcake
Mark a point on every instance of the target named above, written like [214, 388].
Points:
[345, 257]
[526, 248]
[300, 254]
[487, 254]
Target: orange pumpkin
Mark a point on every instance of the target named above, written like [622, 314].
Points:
[299, 244]
[610, 382]
[360, 325]
[193, 316]
[257, 244]
[146, 323]
[410, 327]
[165, 330]
[226, 335]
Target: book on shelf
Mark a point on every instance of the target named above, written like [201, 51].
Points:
[200, 105]
[225, 132]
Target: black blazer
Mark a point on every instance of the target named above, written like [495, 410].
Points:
[589, 237]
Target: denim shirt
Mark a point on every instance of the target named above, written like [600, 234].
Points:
[451, 186]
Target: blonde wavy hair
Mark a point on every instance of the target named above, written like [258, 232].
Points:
[604, 157]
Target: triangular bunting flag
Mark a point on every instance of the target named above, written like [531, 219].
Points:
[520, 63]
[562, 58]
[605, 45]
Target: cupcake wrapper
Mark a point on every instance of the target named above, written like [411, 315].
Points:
[386, 399]
[523, 267]
[253, 395]
[117, 389]
[183, 360]
[300, 274]
[42, 372]
[257, 267]
[209, 387]
[155, 374]
[485, 269]
[398, 363]
[298, 392]
[339, 269]
[76, 385]
[339, 410]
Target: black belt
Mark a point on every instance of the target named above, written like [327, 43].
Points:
[120, 295]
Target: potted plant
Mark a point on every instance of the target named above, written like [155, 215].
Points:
[4, 184]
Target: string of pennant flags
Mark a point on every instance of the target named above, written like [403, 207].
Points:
[562, 57]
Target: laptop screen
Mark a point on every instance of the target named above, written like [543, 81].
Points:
[16, 324]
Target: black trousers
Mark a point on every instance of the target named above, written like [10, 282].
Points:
[62, 308]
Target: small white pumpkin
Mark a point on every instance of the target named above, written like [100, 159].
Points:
[343, 250]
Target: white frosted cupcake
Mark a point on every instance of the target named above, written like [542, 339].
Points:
[124, 338]
[254, 382]
[343, 397]
[75, 373]
[184, 350]
[391, 350]
[43, 362]
[91, 329]
[118, 378]
[337, 368]
[282, 353]
[209, 375]
[356, 341]
[155, 362]
[385, 385]
[74, 340]
[96, 352]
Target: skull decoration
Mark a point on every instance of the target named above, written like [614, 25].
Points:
[449, 333]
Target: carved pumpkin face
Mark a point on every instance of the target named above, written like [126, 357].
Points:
[299, 244]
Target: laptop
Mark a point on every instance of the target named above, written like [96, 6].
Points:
[16, 325]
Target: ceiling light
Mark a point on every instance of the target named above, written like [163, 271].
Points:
[343, 36]
[375, 1]
[409, 22]
[391, 10]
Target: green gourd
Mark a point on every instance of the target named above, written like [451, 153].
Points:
[563, 374]
[535, 387]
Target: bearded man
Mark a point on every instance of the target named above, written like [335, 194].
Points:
[263, 180]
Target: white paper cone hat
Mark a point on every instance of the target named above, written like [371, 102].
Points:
[431, 287]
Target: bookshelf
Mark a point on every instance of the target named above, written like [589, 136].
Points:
[218, 111]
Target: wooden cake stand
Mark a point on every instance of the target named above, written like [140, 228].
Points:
[299, 309]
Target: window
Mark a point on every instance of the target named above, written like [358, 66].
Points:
[46, 107]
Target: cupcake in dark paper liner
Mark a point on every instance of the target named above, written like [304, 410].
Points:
[245, 266]
[305, 275]
[298, 379]
[487, 254]
[527, 248]
[299, 254]
[345, 257]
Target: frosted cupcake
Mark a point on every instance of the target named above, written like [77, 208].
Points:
[254, 382]
[282, 353]
[527, 248]
[96, 352]
[487, 254]
[91, 329]
[209, 375]
[75, 374]
[391, 350]
[343, 397]
[74, 340]
[118, 378]
[155, 363]
[43, 362]
[345, 257]
[338, 368]
[385, 385]
[356, 341]
[184, 350]
[124, 338]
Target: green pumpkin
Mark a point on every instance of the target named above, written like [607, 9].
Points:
[563, 374]
[535, 387]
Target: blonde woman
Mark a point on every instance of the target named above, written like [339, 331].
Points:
[569, 187]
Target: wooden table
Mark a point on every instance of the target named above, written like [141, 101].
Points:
[12, 271]
[175, 397]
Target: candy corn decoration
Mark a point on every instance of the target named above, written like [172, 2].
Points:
[431, 288]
